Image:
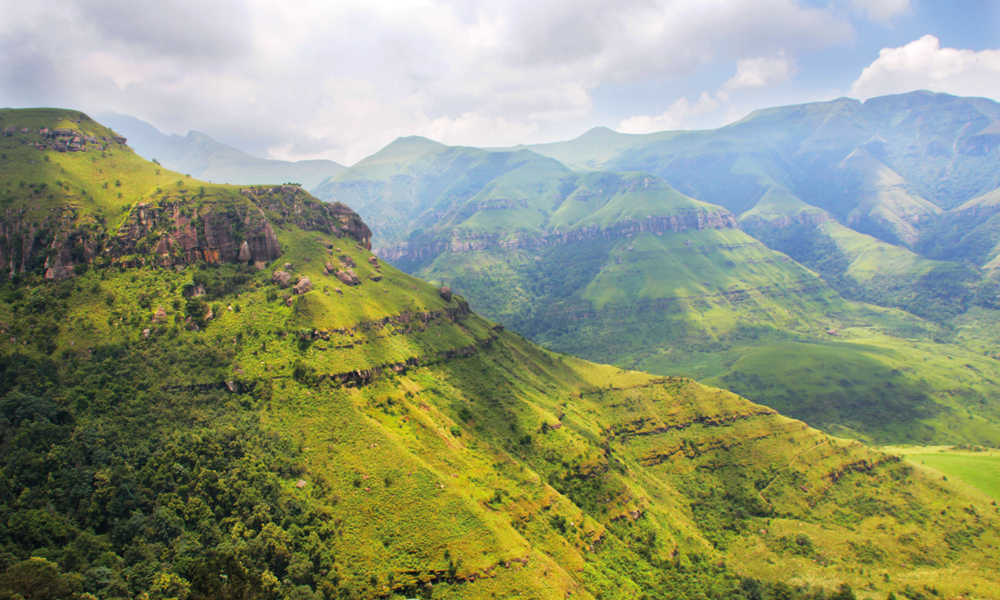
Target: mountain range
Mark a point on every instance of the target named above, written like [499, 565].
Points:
[806, 256]
[219, 391]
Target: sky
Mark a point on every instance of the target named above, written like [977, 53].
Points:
[303, 79]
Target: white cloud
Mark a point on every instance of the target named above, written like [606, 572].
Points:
[752, 74]
[924, 65]
[758, 72]
[882, 10]
[300, 76]
[675, 117]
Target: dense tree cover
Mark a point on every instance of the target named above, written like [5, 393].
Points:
[135, 488]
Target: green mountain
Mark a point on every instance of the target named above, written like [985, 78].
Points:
[619, 267]
[942, 146]
[213, 391]
[206, 159]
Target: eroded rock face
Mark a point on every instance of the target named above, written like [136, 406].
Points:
[304, 285]
[281, 278]
[170, 234]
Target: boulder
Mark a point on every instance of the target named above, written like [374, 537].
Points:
[160, 316]
[347, 261]
[347, 276]
[304, 285]
[373, 260]
[245, 255]
[281, 278]
[445, 292]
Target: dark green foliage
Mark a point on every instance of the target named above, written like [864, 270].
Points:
[107, 473]
[960, 237]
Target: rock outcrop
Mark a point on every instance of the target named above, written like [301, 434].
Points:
[347, 276]
[281, 278]
[304, 285]
[175, 232]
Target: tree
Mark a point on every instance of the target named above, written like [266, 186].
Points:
[35, 579]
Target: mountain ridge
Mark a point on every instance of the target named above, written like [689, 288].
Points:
[205, 158]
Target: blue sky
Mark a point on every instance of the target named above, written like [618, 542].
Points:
[330, 79]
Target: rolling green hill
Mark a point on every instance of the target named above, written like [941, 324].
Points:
[219, 392]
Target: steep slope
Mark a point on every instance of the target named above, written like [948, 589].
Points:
[198, 429]
[204, 158]
[884, 204]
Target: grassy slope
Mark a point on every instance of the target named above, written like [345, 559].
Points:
[487, 465]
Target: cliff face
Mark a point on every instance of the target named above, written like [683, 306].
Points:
[173, 232]
[293, 204]
[463, 241]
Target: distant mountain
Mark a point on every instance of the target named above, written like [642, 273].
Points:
[204, 158]
[212, 391]
[620, 267]
[879, 165]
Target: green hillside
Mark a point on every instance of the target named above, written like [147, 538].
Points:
[623, 269]
[202, 423]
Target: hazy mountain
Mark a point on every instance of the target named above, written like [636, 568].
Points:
[620, 267]
[213, 391]
[202, 157]
[911, 150]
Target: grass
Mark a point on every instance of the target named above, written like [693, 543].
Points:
[976, 466]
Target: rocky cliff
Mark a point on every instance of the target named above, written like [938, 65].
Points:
[170, 231]
[459, 240]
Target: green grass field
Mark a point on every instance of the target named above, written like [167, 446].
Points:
[980, 470]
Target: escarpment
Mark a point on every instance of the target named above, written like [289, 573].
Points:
[466, 241]
[168, 231]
